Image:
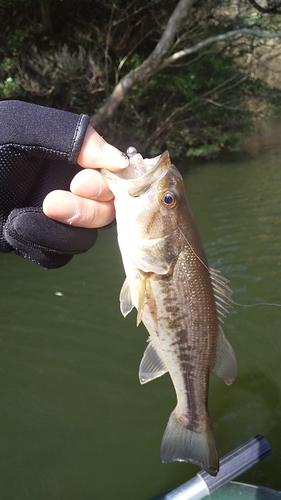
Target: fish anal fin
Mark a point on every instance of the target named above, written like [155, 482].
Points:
[196, 445]
[151, 366]
[225, 365]
[126, 304]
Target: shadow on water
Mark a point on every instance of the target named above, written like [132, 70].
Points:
[251, 407]
[267, 401]
[268, 394]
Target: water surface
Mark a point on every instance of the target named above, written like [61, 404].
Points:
[74, 421]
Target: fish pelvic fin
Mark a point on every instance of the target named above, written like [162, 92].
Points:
[225, 365]
[126, 302]
[183, 443]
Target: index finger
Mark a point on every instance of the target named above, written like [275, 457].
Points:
[97, 153]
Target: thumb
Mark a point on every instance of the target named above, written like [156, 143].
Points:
[97, 153]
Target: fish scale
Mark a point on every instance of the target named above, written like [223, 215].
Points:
[179, 299]
[182, 345]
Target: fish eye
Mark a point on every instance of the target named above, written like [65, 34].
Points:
[169, 199]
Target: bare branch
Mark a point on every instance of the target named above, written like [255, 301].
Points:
[224, 105]
[217, 38]
[149, 67]
[132, 50]
[157, 60]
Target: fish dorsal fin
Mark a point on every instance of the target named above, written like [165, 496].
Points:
[225, 365]
[151, 366]
[126, 304]
[221, 292]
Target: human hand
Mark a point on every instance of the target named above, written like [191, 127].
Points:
[41, 150]
[90, 202]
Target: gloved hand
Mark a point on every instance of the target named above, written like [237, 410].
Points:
[38, 152]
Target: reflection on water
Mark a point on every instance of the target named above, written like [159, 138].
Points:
[74, 421]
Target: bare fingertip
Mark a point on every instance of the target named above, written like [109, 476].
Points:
[113, 158]
[124, 161]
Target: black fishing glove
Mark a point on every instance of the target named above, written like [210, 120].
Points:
[38, 151]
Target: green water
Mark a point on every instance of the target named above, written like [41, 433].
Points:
[74, 421]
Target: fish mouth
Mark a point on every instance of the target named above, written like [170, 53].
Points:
[141, 173]
[156, 168]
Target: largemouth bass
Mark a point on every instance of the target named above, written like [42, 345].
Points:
[178, 297]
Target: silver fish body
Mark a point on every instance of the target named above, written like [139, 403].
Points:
[178, 297]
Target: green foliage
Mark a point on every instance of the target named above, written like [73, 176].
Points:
[199, 111]
[10, 88]
[71, 54]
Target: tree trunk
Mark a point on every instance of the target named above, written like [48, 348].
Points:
[160, 57]
[148, 68]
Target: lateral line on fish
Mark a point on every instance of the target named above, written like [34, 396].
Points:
[223, 300]
[192, 249]
[271, 304]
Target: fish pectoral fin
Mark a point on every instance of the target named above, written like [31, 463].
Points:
[151, 366]
[126, 304]
[155, 255]
[225, 365]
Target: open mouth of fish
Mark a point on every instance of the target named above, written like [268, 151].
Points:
[142, 173]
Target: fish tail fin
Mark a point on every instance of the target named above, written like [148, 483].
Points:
[196, 445]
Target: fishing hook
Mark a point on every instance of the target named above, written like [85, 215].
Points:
[131, 151]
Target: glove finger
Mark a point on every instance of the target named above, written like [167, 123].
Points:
[49, 243]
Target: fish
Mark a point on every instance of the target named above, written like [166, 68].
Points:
[180, 300]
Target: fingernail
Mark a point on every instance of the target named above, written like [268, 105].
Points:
[123, 161]
[113, 157]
